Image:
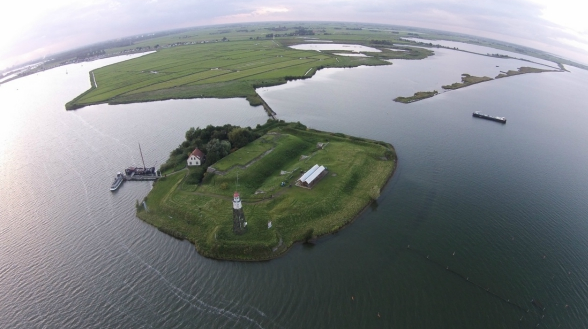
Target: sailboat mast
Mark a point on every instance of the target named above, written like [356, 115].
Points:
[142, 155]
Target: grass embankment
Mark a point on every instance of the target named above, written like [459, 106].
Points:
[247, 154]
[420, 95]
[202, 214]
[524, 70]
[466, 80]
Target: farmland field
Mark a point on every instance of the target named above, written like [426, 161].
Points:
[198, 66]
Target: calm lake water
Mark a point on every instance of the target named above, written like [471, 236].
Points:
[504, 206]
[335, 46]
[482, 50]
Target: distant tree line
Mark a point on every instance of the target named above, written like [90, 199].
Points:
[381, 42]
[299, 31]
[91, 54]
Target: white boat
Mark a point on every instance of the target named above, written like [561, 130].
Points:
[117, 182]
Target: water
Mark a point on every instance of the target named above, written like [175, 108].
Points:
[335, 46]
[482, 50]
[501, 197]
[352, 55]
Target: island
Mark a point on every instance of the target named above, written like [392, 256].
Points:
[289, 185]
[419, 95]
[233, 65]
[466, 80]
[524, 70]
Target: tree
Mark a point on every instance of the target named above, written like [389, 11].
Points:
[216, 150]
[191, 133]
[240, 137]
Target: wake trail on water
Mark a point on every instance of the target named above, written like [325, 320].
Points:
[88, 210]
[523, 309]
[97, 290]
[191, 300]
[101, 133]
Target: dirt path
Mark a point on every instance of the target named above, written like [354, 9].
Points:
[275, 195]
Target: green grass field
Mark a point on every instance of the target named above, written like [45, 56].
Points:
[248, 153]
[466, 80]
[524, 70]
[419, 95]
[202, 214]
[205, 66]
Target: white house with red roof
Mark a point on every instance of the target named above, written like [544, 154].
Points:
[196, 158]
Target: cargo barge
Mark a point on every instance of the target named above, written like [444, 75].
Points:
[477, 114]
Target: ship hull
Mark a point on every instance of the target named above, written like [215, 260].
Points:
[489, 117]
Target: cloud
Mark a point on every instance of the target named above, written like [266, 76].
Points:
[31, 29]
[262, 11]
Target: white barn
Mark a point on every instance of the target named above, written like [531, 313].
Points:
[312, 176]
[196, 158]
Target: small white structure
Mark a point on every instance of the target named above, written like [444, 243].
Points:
[312, 176]
[237, 201]
[239, 222]
[308, 173]
[311, 179]
[196, 158]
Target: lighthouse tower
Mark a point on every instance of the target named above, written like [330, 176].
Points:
[239, 222]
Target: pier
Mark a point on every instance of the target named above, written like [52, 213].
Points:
[268, 109]
[133, 177]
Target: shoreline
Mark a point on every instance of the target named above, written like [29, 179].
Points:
[204, 248]
[316, 238]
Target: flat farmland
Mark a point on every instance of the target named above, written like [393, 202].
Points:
[233, 68]
[227, 62]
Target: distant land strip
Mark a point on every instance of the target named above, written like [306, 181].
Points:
[468, 80]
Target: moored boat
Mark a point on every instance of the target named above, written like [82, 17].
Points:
[117, 182]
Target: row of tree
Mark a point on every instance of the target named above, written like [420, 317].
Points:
[216, 142]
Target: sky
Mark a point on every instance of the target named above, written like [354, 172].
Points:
[31, 29]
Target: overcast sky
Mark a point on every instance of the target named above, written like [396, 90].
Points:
[32, 29]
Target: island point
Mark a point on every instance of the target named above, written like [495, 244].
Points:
[291, 184]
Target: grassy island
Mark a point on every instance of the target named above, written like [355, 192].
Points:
[267, 170]
[466, 80]
[523, 70]
[420, 95]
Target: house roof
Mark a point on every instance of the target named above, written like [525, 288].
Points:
[197, 153]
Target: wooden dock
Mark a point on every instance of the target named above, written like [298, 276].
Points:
[134, 177]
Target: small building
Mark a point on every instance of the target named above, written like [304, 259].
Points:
[312, 176]
[196, 158]
[239, 222]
